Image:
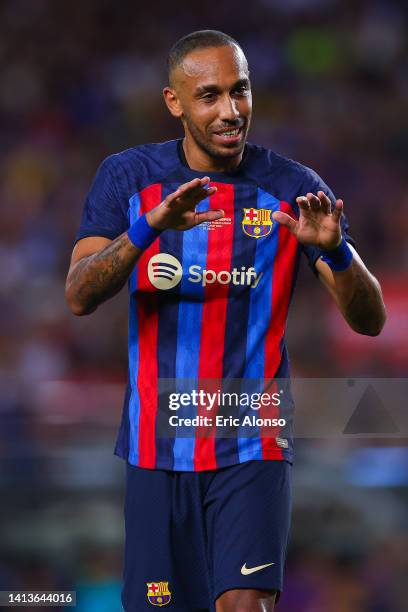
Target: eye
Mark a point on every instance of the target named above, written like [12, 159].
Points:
[209, 97]
[242, 90]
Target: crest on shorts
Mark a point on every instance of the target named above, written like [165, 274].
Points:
[158, 593]
[257, 222]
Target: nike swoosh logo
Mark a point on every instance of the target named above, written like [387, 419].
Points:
[250, 570]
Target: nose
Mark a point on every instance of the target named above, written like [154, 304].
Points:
[229, 110]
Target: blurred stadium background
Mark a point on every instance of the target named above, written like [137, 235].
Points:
[80, 81]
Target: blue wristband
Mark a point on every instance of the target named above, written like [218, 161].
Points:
[141, 234]
[340, 258]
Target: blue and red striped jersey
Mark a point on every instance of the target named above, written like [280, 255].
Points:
[209, 304]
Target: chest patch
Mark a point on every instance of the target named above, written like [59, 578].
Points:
[257, 222]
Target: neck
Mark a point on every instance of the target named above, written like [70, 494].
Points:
[198, 160]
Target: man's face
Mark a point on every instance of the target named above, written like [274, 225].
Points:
[215, 102]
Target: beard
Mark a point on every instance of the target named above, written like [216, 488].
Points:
[212, 150]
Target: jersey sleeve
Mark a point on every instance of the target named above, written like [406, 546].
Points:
[105, 210]
[313, 185]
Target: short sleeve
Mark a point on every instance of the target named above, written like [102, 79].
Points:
[104, 212]
[313, 185]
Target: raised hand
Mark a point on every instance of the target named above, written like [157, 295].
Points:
[178, 210]
[317, 225]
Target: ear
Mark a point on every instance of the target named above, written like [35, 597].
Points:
[172, 102]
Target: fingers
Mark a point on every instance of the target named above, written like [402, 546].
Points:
[315, 203]
[208, 215]
[194, 184]
[193, 198]
[286, 220]
[303, 203]
[192, 192]
[338, 210]
[325, 202]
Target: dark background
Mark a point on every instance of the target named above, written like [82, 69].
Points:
[79, 81]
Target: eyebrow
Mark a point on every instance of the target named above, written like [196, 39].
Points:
[214, 88]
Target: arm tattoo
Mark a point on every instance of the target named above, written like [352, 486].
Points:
[96, 278]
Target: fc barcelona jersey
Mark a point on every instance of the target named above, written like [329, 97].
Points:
[206, 304]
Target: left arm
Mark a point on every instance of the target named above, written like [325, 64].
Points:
[355, 290]
[357, 293]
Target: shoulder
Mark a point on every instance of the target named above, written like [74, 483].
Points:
[143, 163]
[276, 168]
[160, 155]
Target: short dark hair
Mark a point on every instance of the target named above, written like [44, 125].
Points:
[201, 39]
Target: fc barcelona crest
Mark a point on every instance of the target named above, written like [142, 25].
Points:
[158, 593]
[257, 222]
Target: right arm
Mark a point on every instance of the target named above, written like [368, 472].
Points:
[100, 267]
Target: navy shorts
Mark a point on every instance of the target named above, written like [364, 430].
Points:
[190, 536]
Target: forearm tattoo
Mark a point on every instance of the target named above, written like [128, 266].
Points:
[96, 278]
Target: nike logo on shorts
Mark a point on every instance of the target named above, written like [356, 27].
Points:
[250, 570]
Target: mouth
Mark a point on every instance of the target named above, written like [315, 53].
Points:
[229, 135]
